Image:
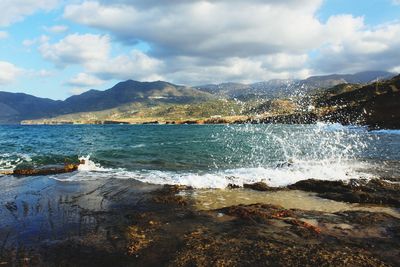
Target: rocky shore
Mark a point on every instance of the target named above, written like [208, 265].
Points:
[128, 223]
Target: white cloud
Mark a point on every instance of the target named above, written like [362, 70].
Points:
[396, 2]
[211, 38]
[8, 72]
[77, 49]
[208, 28]
[44, 73]
[92, 52]
[354, 47]
[3, 35]
[56, 29]
[40, 40]
[84, 80]
[77, 91]
[136, 65]
[15, 10]
[236, 69]
[219, 40]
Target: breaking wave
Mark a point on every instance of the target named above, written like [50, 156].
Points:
[276, 155]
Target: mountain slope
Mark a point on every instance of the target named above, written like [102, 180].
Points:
[376, 104]
[327, 81]
[17, 107]
[133, 91]
[279, 88]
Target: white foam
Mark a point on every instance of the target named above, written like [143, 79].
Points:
[386, 131]
[274, 177]
[8, 161]
[90, 166]
[138, 146]
[324, 151]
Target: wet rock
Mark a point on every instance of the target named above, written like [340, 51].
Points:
[216, 121]
[137, 240]
[151, 122]
[47, 170]
[233, 186]
[168, 199]
[168, 195]
[260, 186]
[189, 122]
[296, 118]
[11, 206]
[257, 212]
[134, 229]
[204, 247]
[375, 191]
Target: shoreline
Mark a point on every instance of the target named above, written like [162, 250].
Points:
[125, 222]
[282, 119]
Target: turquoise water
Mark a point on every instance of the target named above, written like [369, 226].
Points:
[202, 155]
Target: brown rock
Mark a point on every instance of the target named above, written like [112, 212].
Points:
[46, 170]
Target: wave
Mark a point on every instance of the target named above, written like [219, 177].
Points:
[138, 146]
[397, 132]
[8, 161]
[274, 177]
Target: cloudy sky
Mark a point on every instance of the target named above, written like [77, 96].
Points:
[57, 48]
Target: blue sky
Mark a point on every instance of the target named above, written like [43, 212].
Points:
[55, 48]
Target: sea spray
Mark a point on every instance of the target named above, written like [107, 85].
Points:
[9, 161]
[88, 165]
[207, 156]
[275, 154]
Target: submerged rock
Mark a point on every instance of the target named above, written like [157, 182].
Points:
[375, 191]
[128, 223]
[260, 186]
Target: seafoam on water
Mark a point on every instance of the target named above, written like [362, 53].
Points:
[275, 177]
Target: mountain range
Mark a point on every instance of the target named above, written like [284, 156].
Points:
[278, 88]
[16, 107]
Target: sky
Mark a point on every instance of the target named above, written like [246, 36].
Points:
[59, 48]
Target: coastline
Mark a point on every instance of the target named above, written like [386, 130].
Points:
[295, 118]
[126, 222]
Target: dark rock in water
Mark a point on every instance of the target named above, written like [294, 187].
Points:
[189, 122]
[114, 122]
[288, 163]
[47, 170]
[375, 191]
[168, 195]
[216, 121]
[296, 118]
[233, 186]
[151, 122]
[260, 186]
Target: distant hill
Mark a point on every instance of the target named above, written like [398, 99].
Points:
[269, 89]
[17, 107]
[133, 98]
[376, 104]
[279, 88]
[132, 92]
[327, 81]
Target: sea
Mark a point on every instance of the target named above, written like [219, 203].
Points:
[204, 156]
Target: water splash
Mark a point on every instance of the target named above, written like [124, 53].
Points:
[8, 161]
[90, 166]
[278, 155]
